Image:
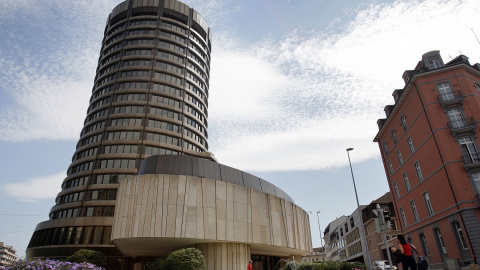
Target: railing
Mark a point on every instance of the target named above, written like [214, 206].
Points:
[461, 125]
[471, 160]
[450, 97]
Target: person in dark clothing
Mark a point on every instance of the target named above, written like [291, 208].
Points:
[408, 262]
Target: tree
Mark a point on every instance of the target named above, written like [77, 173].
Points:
[89, 256]
[158, 264]
[185, 259]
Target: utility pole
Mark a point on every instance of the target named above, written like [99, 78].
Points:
[384, 227]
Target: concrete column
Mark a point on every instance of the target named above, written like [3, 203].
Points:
[137, 266]
[225, 256]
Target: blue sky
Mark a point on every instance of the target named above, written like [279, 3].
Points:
[293, 84]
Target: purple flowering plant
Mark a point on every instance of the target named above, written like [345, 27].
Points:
[49, 264]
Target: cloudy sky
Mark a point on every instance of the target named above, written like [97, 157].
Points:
[293, 84]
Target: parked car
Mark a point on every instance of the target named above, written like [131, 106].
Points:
[382, 265]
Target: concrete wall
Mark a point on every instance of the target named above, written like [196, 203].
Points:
[156, 214]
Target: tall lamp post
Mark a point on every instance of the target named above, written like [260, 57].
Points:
[359, 213]
[319, 230]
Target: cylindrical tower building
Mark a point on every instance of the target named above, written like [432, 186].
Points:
[150, 97]
[141, 183]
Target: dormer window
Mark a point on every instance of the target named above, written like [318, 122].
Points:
[434, 63]
[406, 79]
[432, 60]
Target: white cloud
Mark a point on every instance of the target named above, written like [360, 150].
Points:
[36, 189]
[49, 76]
[293, 104]
[319, 95]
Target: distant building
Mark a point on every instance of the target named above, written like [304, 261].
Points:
[429, 146]
[318, 255]
[344, 240]
[376, 244]
[330, 238]
[7, 254]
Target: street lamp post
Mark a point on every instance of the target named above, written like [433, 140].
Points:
[319, 230]
[359, 213]
[311, 254]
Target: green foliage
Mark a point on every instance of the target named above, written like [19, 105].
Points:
[185, 259]
[359, 265]
[89, 256]
[292, 265]
[158, 264]
[328, 265]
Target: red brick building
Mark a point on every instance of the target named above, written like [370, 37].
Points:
[429, 146]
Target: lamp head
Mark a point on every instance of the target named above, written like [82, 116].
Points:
[318, 211]
[349, 149]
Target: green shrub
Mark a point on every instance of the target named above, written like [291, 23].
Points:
[185, 259]
[158, 264]
[90, 256]
[359, 265]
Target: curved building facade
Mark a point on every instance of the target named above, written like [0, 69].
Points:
[150, 97]
[149, 104]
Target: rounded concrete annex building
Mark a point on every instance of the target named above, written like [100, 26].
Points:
[150, 99]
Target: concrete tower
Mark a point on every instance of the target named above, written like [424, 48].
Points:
[141, 183]
[149, 98]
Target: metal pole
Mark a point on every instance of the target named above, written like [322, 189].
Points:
[359, 213]
[383, 228]
[319, 230]
[311, 259]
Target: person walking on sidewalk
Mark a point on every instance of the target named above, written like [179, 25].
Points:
[408, 262]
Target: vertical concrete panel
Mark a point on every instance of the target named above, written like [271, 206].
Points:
[153, 203]
[221, 207]
[181, 207]
[158, 206]
[165, 199]
[142, 202]
[199, 208]
[171, 218]
[191, 192]
[191, 222]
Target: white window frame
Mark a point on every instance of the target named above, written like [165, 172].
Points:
[414, 211]
[434, 63]
[469, 149]
[476, 181]
[440, 239]
[404, 218]
[390, 166]
[407, 182]
[456, 118]
[445, 91]
[418, 170]
[403, 119]
[477, 85]
[400, 158]
[423, 239]
[394, 136]
[410, 145]
[395, 188]
[428, 204]
[461, 237]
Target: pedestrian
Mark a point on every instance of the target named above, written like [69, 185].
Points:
[408, 262]
[249, 266]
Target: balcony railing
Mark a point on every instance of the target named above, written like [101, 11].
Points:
[452, 97]
[471, 160]
[462, 125]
